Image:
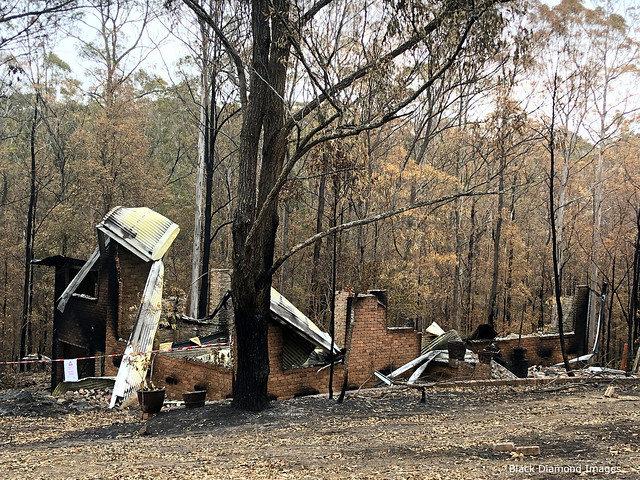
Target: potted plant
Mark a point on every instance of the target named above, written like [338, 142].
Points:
[150, 397]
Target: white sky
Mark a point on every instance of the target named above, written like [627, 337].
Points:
[160, 61]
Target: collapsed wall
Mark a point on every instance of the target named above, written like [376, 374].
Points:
[374, 346]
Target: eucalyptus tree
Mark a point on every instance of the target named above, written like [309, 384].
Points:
[613, 42]
[41, 187]
[31, 18]
[563, 80]
[379, 36]
[590, 55]
[113, 42]
[27, 29]
[207, 95]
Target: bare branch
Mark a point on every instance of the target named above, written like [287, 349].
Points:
[354, 130]
[65, 6]
[438, 202]
[231, 51]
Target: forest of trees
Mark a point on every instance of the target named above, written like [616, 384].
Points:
[403, 146]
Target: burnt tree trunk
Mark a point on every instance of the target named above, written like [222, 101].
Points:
[211, 130]
[497, 234]
[275, 28]
[468, 281]
[633, 295]
[253, 243]
[316, 306]
[25, 339]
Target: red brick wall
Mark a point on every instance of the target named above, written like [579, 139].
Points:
[376, 347]
[133, 273]
[219, 283]
[373, 347]
[217, 380]
[189, 374]
[534, 344]
[294, 381]
[341, 319]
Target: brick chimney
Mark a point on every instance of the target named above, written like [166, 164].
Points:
[220, 283]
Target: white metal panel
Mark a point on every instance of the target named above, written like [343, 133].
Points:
[284, 311]
[141, 230]
[133, 368]
[77, 280]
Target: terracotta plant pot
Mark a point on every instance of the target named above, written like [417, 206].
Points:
[151, 401]
[194, 399]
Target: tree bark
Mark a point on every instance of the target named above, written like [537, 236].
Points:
[633, 294]
[253, 254]
[316, 291]
[497, 235]
[262, 174]
[196, 251]
[470, 266]
[5, 193]
[284, 273]
[212, 132]
[332, 293]
[28, 242]
[555, 246]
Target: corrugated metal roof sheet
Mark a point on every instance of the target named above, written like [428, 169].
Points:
[295, 351]
[286, 313]
[88, 383]
[141, 230]
[133, 368]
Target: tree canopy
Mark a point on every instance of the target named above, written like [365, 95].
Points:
[411, 136]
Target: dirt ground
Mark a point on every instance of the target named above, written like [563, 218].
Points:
[378, 433]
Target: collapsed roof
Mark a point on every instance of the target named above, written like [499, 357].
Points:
[149, 235]
[285, 313]
[140, 230]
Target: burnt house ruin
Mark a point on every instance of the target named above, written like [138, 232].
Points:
[98, 300]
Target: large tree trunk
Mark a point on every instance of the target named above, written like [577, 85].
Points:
[253, 244]
[256, 221]
[196, 251]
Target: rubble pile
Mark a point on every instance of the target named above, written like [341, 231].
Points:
[538, 371]
[498, 372]
[26, 402]
[83, 400]
[35, 401]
